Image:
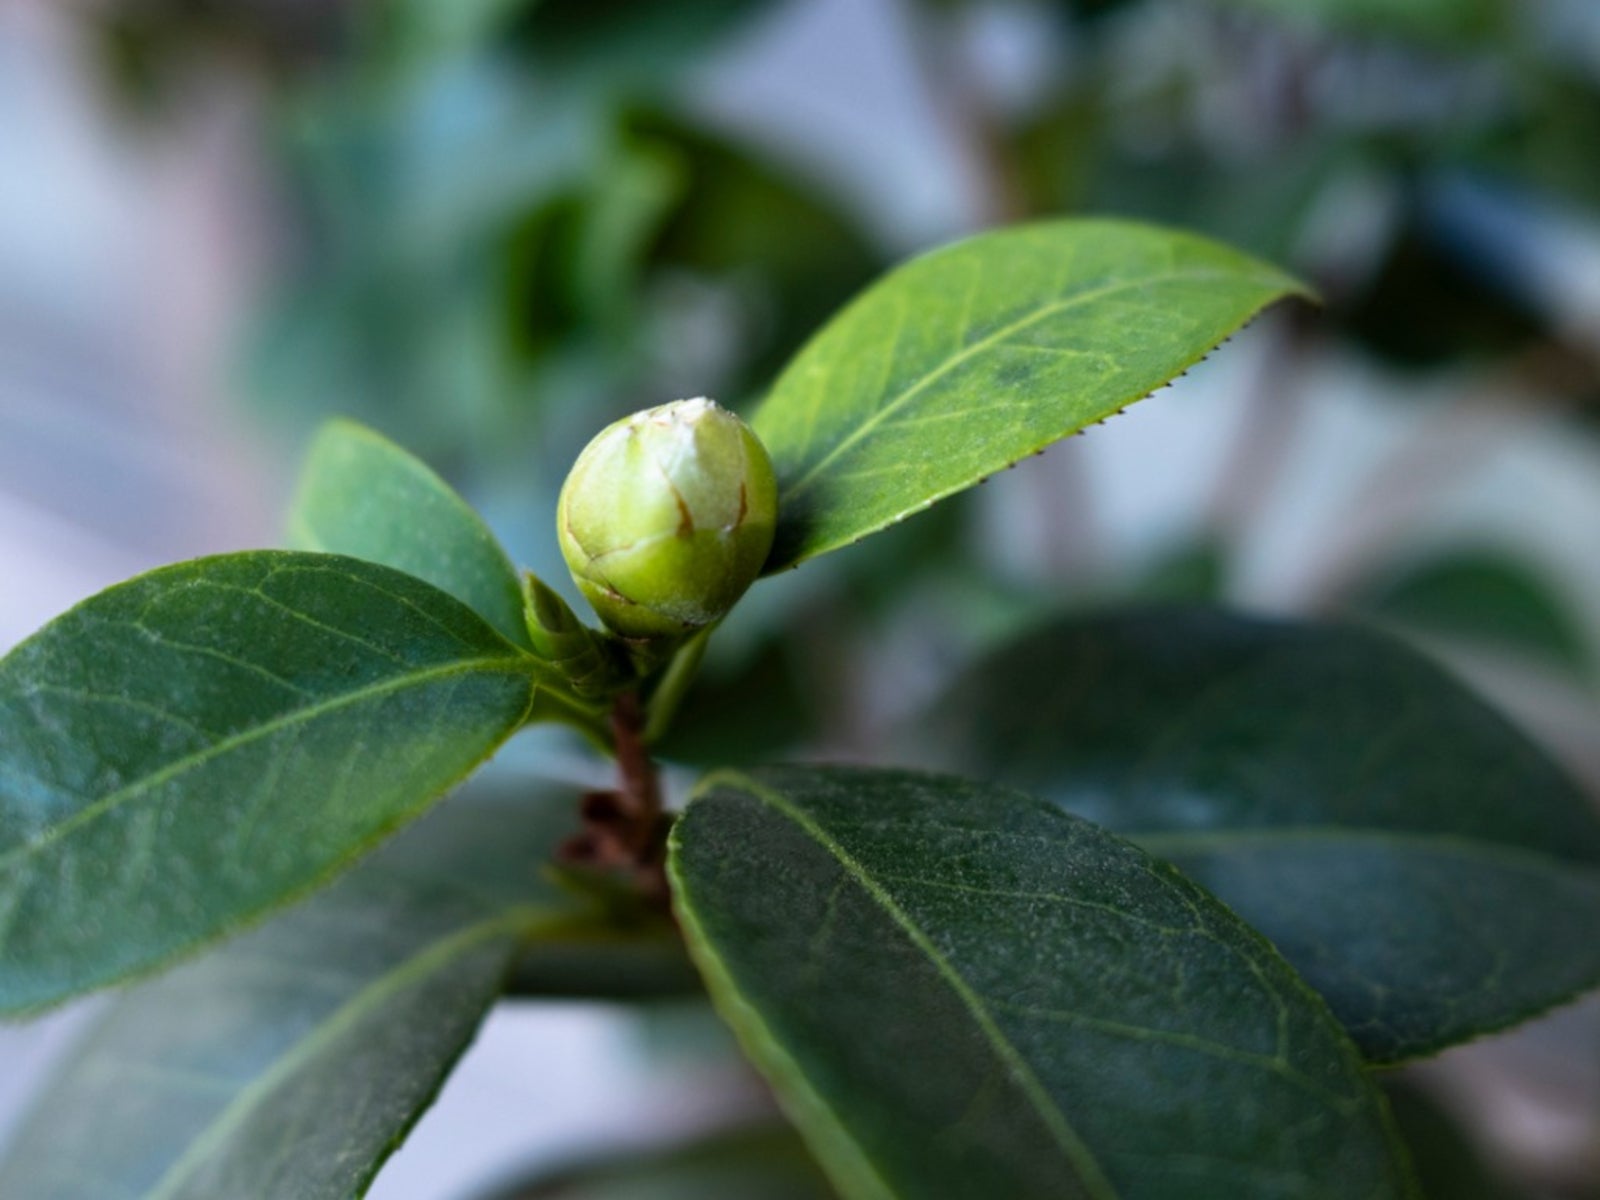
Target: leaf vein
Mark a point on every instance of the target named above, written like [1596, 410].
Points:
[1050, 1114]
[310, 712]
[879, 415]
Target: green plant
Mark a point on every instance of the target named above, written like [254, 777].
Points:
[955, 988]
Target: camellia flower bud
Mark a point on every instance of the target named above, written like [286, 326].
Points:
[667, 517]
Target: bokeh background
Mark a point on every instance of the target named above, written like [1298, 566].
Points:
[488, 227]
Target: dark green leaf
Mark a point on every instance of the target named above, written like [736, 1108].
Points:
[1485, 597]
[1432, 302]
[1449, 20]
[753, 709]
[1449, 1164]
[362, 495]
[621, 41]
[198, 745]
[1192, 572]
[755, 1164]
[292, 1062]
[960, 991]
[963, 361]
[1423, 864]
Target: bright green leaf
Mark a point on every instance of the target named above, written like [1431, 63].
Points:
[362, 495]
[1423, 864]
[290, 1063]
[191, 748]
[961, 991]
[963, 361]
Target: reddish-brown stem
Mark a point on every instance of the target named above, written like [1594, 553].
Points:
[625, 829]
[640, 789]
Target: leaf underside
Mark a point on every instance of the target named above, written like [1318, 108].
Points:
[1420, 862]
[959, 991]
[187, 750]
[962, 362]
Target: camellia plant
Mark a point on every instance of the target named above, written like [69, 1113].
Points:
[1145, 904]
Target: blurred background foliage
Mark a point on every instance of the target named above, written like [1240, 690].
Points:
[511, 223]
[508, 222]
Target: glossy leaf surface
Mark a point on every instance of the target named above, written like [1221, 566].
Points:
[1422, 863]
[193, 747]
[961, 991]
[362, 495]
[292, 1061]
[968, 359]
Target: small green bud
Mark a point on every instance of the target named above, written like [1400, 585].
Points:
[667, 517]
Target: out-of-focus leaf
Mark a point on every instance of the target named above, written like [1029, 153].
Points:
[1487, 597]
[1555, 116]
[292, 1062]
[963, 361]
[622, 41]
[961, 991]
[790, 253]
[574, 265]
[1426, 306]
[147, 47]
[744, 712]
[1451, 20]
[411, 194]
[755, 1164]
[1423, 864]
[414, 32]
[1260, 205]
[1449, 1164]
[192, 748]
[1192, 573]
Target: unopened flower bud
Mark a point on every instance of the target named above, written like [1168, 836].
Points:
[667, 517]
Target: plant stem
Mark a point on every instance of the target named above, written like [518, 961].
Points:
[674, 685]
[625, 828]
[640, 790]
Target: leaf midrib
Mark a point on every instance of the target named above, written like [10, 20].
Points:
[791, 490]
[521, 923]
[1088, 1170]
[844, 1157]
[498, 664]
